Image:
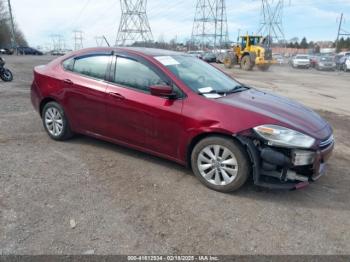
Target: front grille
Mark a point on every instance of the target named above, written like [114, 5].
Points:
[327, 142]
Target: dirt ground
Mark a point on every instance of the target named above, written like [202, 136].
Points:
[126, 202]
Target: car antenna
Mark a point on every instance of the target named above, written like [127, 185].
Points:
[106, 41]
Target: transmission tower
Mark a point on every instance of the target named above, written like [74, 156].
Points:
[58, 42]
[78, 40]
[210, 24]
[272, 20]
[134, 25]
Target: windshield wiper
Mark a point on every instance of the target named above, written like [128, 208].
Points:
[213, 91]
[237, 89]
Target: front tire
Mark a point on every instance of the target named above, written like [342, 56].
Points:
[228, 61]
[220, 163]
[55, 122]
[264, 68]
[246, 63]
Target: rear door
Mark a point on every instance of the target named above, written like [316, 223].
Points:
[135, 116]
[85, 91]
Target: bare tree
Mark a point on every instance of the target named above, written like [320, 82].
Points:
[5, 32]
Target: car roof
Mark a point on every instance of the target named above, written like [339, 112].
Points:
[152, 52]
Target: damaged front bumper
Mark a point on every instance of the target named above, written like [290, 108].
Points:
[283, 168]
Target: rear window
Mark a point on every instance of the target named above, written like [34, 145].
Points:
[94, 66]
[68, 64]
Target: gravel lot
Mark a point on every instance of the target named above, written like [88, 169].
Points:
[127, 202]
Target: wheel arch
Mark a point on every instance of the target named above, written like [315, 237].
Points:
[195, 140]
[44, 102]
[245, 54]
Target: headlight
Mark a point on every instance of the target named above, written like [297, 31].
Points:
[284, 137]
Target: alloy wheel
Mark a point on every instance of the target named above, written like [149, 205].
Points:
[218, 165]
[54, 121]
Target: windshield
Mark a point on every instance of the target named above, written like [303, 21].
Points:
[327, 58]
[302, 57]
[201, 77]
[254, 40]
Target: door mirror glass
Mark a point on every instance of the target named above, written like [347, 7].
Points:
[163, 91]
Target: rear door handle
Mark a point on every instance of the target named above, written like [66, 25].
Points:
[117, 96]
[68, 81]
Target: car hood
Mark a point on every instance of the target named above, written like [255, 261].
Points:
[280, 110]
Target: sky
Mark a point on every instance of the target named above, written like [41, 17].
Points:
[38, 19]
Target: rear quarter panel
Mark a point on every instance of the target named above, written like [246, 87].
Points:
[47, 84]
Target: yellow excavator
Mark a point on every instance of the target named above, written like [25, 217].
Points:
[251, 51]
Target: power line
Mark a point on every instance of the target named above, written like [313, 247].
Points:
[134, 25]
[80, 13]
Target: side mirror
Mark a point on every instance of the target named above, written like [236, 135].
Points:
[163, 91]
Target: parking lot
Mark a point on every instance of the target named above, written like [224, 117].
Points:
[126, 202]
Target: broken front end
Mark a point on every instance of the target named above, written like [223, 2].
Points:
[286, 159]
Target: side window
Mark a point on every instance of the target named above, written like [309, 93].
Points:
[68, 64]
[94, 66]
[133, 74]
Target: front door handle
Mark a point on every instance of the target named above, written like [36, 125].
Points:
[68, 81]
[117, 96]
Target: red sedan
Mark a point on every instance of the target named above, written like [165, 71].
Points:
[178, 107]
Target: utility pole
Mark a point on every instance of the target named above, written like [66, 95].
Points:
[134, 25]
[210, 24]
[339, 28]
[341, 31]
[13, 34]
[78, 40]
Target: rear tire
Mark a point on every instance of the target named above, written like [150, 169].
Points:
[220, 163]
[6, 75]
[55, 122]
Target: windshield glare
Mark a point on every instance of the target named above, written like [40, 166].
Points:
[198, 75]
[327, 58]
